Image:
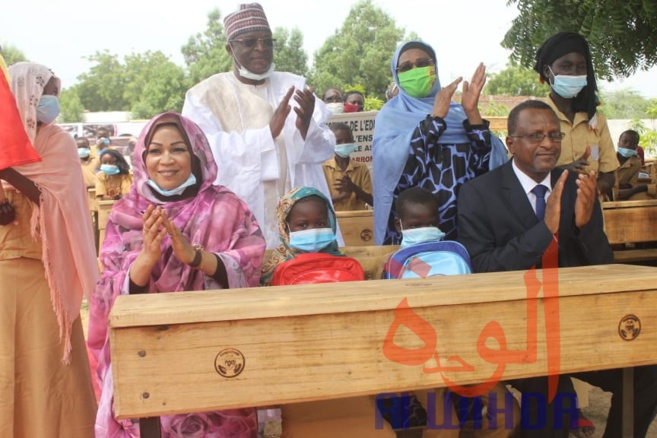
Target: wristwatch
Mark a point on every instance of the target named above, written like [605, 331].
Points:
[198, 256]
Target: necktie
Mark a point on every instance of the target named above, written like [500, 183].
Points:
[540, 191]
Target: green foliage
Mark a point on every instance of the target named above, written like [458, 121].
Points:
[638, 126]
[651, 111]
[205, 53]
[495, 109]
[373, 103]
[144, 83]
[622, 34]
[623, 104]
[359, 52]
[71, 106]
[288, 51]
[102, 87]
[154, 84]
[12, 54]
[648, 137]
[515, 80]
[648, 142]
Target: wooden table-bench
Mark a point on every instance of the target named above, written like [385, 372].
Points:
[104, 209]
[306, 343]
[626, 222]
[631, 222]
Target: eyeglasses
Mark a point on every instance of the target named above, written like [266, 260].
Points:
[538, 137]
[251, 42]
[333, 99]
[422, 62]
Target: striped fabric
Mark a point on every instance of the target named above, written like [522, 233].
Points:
[250, 17]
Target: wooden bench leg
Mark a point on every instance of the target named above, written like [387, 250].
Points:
[150, 427]
[628, 402]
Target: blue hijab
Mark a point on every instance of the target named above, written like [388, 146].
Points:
[393, 128]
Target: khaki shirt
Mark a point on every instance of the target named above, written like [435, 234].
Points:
[16, 238]
[578, 135]
[359, 174]
[628, 172]
[89, 171]
[112, 185]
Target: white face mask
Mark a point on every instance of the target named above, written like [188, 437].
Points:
[255, 76]
[336, 107]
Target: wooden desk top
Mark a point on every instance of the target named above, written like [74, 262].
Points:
[200, 351]
[316, 299]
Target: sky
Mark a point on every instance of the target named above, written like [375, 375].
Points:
[61, 33]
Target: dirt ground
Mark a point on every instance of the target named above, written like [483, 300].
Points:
[597, 412]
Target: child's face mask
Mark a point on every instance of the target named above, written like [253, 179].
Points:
[312, 240]
[414, 236]
[110, 169]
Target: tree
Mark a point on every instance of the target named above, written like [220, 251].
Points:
[651, 111]
[102, 87]
[622, 34]
[623, 104]
[359, 52]
[71, 106]
[12, 54]
[153, 84]
[515, 80]
[205, 53]
[288, 51]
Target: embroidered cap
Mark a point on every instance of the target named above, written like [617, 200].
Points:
[250, 17]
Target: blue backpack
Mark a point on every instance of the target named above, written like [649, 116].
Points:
[428, 259]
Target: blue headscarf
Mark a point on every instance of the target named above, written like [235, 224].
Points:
[393, 128]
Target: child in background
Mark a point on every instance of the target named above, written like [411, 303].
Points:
[88, 162]
[627, 175]
[348, 180]
[306, 224]
[114, 178]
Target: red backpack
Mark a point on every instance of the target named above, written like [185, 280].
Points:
[318, 267]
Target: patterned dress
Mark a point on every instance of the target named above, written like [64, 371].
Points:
[442, 169]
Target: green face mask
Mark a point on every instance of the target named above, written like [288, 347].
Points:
[417, 82]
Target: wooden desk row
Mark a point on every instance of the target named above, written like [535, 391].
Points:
[200, 351]
[625, 222]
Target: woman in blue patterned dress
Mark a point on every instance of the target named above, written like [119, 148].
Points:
[423, 139]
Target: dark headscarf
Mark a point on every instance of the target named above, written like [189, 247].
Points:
[561, 44]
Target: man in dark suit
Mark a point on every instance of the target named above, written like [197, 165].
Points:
[508, 217]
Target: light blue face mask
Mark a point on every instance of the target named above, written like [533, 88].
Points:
[627, 153]
[568, 86]
[173, 192]
[345, 149]
[84, 152]
[313, 240]
[48, 109]
[110, 169]
[414, 236]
